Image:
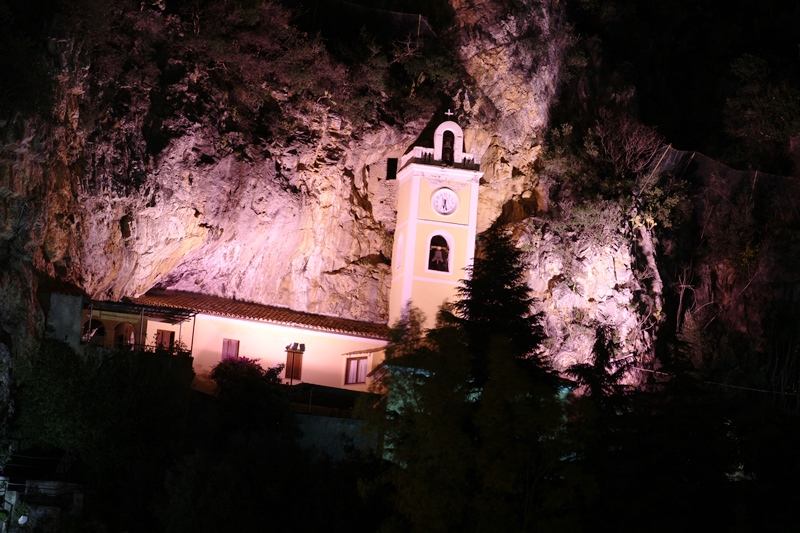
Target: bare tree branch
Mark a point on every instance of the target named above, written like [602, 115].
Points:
[626, 145]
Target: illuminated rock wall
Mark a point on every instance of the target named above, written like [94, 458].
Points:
[306, 224]
[584, 280]
[515, 57]
[294, 228]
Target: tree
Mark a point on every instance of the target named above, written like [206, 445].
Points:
[123, 414]
[762, 118]
[495, 306]
[472, 414]
[253, 398]
[625, 145]
[602, 378]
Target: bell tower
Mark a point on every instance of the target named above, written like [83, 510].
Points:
[437, 207]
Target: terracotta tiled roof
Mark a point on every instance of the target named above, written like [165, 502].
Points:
[214, 305]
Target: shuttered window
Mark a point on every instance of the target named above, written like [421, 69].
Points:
[294, 365]
[230, 348]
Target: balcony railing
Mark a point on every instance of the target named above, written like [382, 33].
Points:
[424, 156]
[466, 164]
[174, 349]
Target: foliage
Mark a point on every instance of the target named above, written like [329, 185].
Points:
[407, 334]
[398, 79]
[563, 159]
[664, 199]
[122, 413]
[253, 398]
[250, 69]
[622, 145]
[618, 161]
[595, 221]
[471, 414]
[6, 409]
[602, 377]
[495, 301]
[100, 406]
[728, 228]
[762, 117]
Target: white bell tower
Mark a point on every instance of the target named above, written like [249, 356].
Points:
[437, 207]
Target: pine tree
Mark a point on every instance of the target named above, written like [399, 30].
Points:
[472, 428]
[495, 306]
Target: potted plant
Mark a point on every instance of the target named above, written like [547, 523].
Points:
[21, 511]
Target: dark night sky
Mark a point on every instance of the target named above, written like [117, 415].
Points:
[678, 55]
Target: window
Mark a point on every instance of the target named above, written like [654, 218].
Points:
[439, 256]
[294, 361]
[356, 371]
[391, 168]
[230, 349]
[165, 339]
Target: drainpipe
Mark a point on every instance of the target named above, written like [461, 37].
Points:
[142, 341]
[91, 322]
[194, 323]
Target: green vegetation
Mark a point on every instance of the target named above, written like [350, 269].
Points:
[156, 456]
[250, 464]
[100, 406]
[762, 118]
[476, 435]
[472, 419]
[246, 67]
[471, 414]
[253, 399]
[122, 413]
[720, 81]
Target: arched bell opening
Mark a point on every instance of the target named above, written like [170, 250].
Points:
[448, 147]
[439, 254]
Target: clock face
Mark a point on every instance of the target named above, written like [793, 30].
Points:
[444, 201]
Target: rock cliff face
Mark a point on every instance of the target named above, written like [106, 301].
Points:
[112, 207]
[294, 228]
[515, 58]
[580, 288]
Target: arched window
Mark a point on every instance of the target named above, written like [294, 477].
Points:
[124, 334]
[94, 331]
[448, 146]
[439, 256]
